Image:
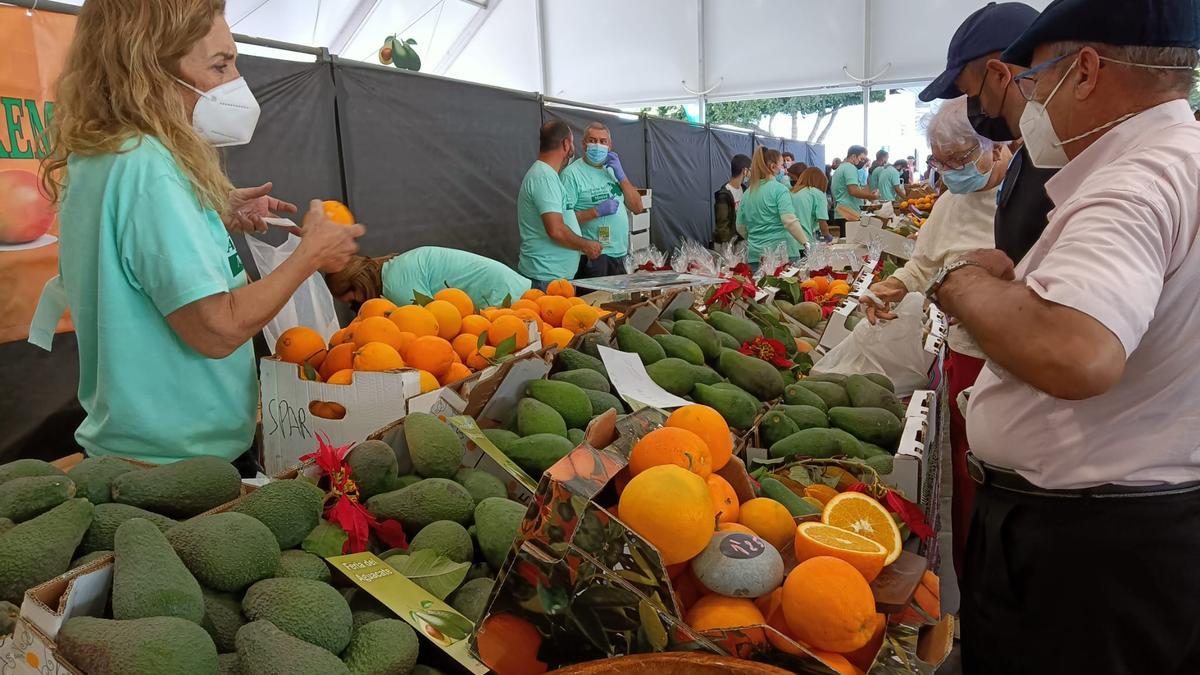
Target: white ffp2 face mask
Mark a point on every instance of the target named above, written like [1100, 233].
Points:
[226, 114]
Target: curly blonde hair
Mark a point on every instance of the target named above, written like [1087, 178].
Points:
[118, 83]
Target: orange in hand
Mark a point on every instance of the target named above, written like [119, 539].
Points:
[337, 212]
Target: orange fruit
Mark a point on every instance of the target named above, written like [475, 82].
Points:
[299, 345]
[671, 508]
[416, 320]
[863, 515]
[829, 605]
[505, 327]
[529, 315]
[457, 358]
[509, 645]
[820, 492]
[457, 297]
[770, 520]
[465, 345]
[341, 377]
[771, 606]
[428, 381]
[577, 301]
[432, 353]
[449, 320]
[553, 309]
[802, 347]
[864, 656]
[339, 358]
[474, 324]
[377, 356]
[670, 445]
[479, 360]
[341, 336]
[406, 340]
[559, 337]
[708, 424]
[725, 500]
[454, 373]
[525, 304]
[580, 318]
[493, 313]
[376, 307]
[734, 527]
[818, 539]
[561, 288]
[928, 597]
[532, 294]
[337, 212]
[377, 329]
[713, 612]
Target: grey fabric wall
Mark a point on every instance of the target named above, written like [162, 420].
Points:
[722, 146]
[434, 162]
[679, 175]
[809, 153]
[628, 135]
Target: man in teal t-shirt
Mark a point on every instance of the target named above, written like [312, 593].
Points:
[847, 186]
[148, 395]
[550, 235]
[429, 269]
[888, 184]
[603, 196]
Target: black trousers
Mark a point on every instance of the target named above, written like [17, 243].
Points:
[603, 266]
[1094, 586]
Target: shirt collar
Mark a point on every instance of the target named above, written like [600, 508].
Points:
[1116, 142]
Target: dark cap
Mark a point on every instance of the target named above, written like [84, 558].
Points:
[990, 29]
[1138, 23]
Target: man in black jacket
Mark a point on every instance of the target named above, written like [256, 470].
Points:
[727, 198]
[994, 106]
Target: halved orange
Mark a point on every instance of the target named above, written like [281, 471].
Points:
[863, 515]
[818, 539]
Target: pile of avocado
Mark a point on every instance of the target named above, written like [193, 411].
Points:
[828, 415]
[234, 592]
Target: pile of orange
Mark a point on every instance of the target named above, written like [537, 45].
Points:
[924, 203]
[446, 339]
[826, 288]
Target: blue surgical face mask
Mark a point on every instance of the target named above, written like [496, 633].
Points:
[596, 153]
[965, 180]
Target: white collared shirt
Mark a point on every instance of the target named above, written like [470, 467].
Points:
[1121, 246]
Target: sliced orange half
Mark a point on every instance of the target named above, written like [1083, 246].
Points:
[863, 515]
[818, 539]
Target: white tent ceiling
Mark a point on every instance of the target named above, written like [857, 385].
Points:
[632, 52]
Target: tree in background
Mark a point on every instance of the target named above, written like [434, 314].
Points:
[750, 114]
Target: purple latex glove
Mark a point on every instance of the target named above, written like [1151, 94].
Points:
[607, 207]
[614, 162]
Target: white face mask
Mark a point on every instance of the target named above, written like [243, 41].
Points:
[226, 114]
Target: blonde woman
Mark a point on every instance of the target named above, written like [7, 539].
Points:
[766, 216]
[163, 311]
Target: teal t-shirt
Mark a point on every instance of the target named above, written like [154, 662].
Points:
[761, 212]
[811, 207]
[888, 181]
[846, 175]
[541, 257]
[429, 269]
[135, 246]
[587, 186]
[873, 178]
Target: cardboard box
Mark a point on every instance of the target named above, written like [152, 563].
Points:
[639, 224]
[916, 443]
[598, 590]
[372, 401]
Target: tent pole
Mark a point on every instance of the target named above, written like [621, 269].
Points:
[866, 86]
[701, 68]
[540, 17]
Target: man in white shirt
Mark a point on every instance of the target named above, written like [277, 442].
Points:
[1086, 532]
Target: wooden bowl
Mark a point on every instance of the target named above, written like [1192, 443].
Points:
[672, 663]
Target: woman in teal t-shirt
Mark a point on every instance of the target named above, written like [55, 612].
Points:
[426, 270]
[162, 308]
[766, 216]
[812, 208]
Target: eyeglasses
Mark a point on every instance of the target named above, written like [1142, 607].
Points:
[1027, 83]
[956, 162]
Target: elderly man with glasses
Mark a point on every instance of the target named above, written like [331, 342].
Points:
[1083, 425]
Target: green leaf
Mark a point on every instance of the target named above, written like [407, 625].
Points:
[421, 299]
[445, 283]
[506, 347]
[507, 301]
[325, 541]
[481, 341]
[656, 633]
[410, 41]
[554, 600]
[433, 571]
[391, 552]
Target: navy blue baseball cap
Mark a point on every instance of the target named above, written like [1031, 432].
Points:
[990, 29]
[1140, 23]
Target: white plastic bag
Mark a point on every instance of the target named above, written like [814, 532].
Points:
[894, 348]
[312, 303]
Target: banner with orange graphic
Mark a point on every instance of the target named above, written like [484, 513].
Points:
[35, 46]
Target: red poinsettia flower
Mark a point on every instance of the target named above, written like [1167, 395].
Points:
[909, 513]
[742, 269]
[771, 351]
[346, 511]
[729, 291]
[823, 272]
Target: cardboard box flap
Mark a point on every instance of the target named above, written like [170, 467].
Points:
[81, 592]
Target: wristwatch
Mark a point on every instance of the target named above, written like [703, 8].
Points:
[931, 292]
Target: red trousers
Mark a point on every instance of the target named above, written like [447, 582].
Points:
[961, 371]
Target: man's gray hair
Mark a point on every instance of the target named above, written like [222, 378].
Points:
[1175, 79]
[950, 128]
[598, 126]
